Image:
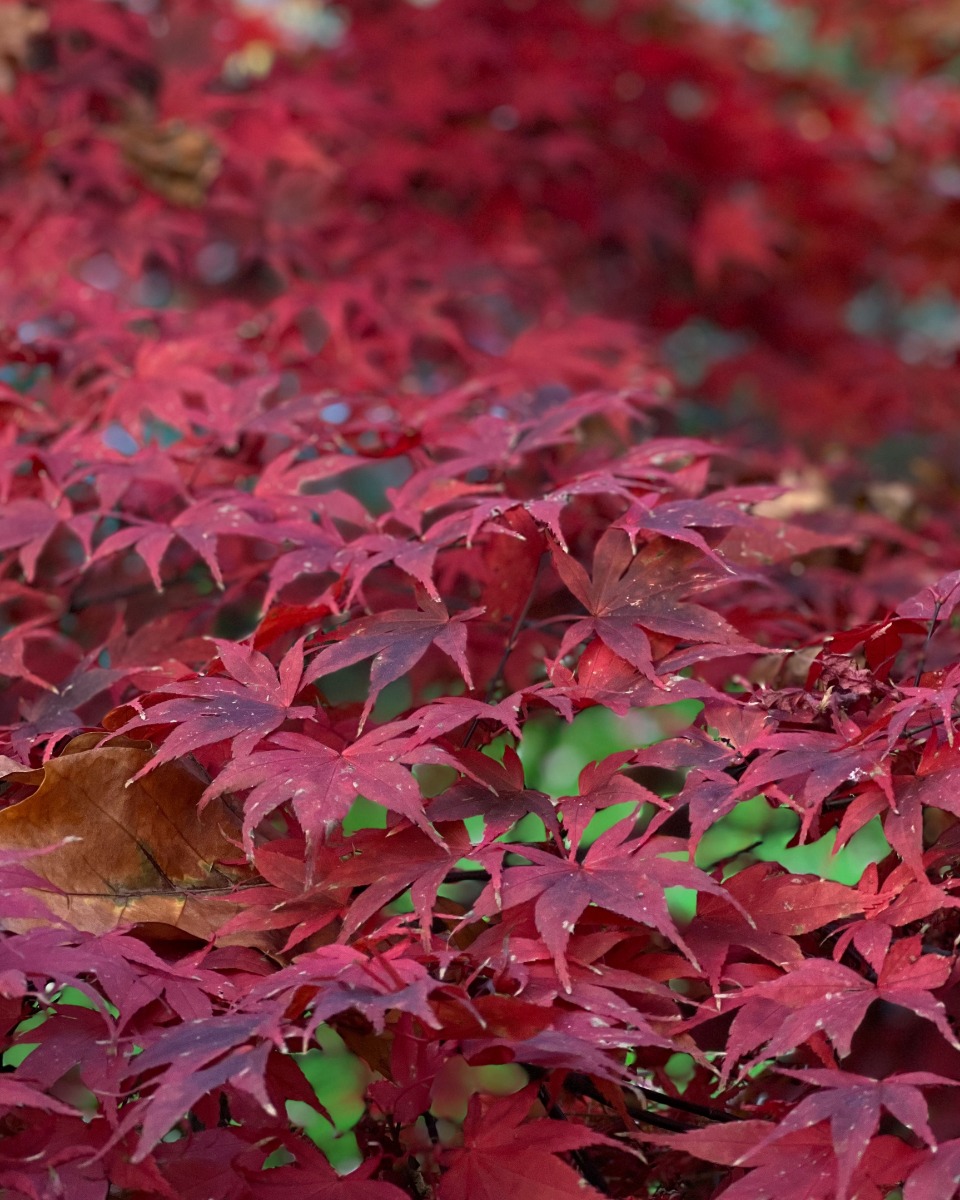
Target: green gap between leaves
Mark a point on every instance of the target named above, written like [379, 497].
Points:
[338, 1079]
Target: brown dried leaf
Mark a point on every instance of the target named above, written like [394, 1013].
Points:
[807, 492]
[143, 852]
[19, 25]
[177, 161]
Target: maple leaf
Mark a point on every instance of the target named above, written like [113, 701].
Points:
[900, 900]
[940, 699]
[936, 602]
[629, 594]
[407, 859]
[603, 677]
[799, 1166]
[19, 885]
[937, 1175]
[819, 995]
[494, 790]
[243, 707]
[442, 717]
[60, 1049]
[576, 350]
[616, 873]
[411, 1072]
[54, 714]
[222, 1163]
[117, 479]
[397, 640]
[782, 907]
[733, 229]
[14, 645]
[903, 825]
[316, 554]
[334, 979]
[572, 1041]
[417, 557]
[285, 900]
[902, 803]
[14, 1094]
[201, 525]
[681, 521]
[321, 782]
[852, 1105]
[810, 765]
[595, 986]
[505, 1154]
[315, 1179]
[602, 784]
[27, 526]
[206, 1057]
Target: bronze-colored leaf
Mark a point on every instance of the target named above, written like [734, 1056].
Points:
[173, 159]
[142, 851]
[20, 24]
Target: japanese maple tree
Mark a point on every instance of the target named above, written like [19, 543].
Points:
[383, 383]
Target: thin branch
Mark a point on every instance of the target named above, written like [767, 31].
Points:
[677, 1102]
[582, 1085]
[581, 1160]
[430, 1121]
[922, 662]
[466, 875]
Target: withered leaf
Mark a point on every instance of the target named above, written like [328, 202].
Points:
[140, 852]
[177, 161]
[20, 25]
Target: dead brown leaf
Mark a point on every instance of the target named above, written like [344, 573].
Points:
[19, 25]
[143, 852]
[807, 491]
[176, 160]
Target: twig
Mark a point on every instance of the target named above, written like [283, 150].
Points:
[431, 1123]
[581, 1160]
[699, 1110]
[583, 1086]
[938, 604]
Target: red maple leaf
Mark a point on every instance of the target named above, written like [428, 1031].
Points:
[243, 706]
[938, 1173]
[852, 1105]
[782, 907]
[396, 640]
[817, 995]
[935, 602]
[617, 873]
[314, 1179]
[808, 766]
[321, 780]
[630, 594]
[504, 1154]
[494, 790]
[802, 1165]
[408, 859]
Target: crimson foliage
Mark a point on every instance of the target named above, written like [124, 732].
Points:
[336, 450]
